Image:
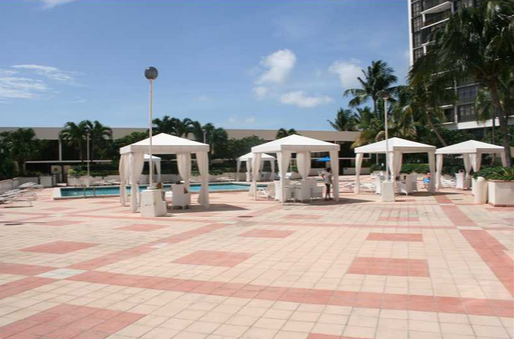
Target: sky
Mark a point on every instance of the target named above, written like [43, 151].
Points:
[238, 64]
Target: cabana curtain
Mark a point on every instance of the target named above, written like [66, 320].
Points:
[203, 166]
[137, 162]
[184, 167]
[256, 172]
[303, 160]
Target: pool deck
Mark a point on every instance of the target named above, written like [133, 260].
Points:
[426, 266]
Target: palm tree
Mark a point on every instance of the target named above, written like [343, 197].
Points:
[164, 125]
[370, 125]
[98, 134]
[74, 135]
[477, 42]
[282, 133]
[378, 77]
[423, 101]
[173, 126]
[344, 121]
[21, 145]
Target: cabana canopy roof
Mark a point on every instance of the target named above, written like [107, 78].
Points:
[154, 158]
[249, 156]
[396, 145]
[166, 144]
[470, 147]
[295, 144]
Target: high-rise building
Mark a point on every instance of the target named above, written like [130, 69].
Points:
[425, 17]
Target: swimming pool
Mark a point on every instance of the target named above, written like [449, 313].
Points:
[71, 192]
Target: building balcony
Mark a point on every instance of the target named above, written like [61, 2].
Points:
[431, 19]
[436, 6]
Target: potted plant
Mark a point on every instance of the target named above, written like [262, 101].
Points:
[500, 185]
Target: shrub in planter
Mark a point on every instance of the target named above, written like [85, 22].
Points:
[415, 168]
[500, 184]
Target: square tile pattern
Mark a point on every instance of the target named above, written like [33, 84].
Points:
[214, 258]
[59, 247]
[426, 266]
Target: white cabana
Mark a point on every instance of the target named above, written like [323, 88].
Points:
[132, 160]
[303, 147]
[471, 151]
[397, 147]
[248, 158]
[156, 161]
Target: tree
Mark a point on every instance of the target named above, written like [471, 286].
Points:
[378, 77]
[173, 126]
[282, 133]
[239, 147]
[98, 134]
[477, 42]
[423, 101]
[74, 135]
[20, 146]
[344, 121]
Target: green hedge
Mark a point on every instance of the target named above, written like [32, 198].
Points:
[496, 173]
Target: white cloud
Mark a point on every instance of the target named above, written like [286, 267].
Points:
[348, 71]
[279, 65]
[260, 92]
[15, 87]
[203, 98]
[51, 73]
[48, 4]
[300, 99]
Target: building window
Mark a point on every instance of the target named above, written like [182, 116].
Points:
[466, 113]
[449, 114]
[467, 94]
[418, 53]
[417, 40]
[417, 23]
[416, 8]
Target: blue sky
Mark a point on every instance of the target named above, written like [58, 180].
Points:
[237, 64]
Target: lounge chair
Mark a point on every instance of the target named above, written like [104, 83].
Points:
[268, 192]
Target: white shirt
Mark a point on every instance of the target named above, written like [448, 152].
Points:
[327, 176]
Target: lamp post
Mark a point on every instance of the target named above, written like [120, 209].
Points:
[151, 74]
[385, 96]
[88, 157]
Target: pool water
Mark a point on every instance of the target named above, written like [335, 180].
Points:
[115, 190]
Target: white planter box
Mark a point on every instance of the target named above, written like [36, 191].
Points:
[501, 193]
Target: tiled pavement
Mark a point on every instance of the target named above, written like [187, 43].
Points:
[423, 267]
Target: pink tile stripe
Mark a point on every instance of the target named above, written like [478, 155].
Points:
[143, 249]
[66, 321]
[23, 285]
[492, 253]
[457, 217]
[387, 266]
[414, 237]
[59, 247]
[443, 199]
[488, 307]
[22, 269]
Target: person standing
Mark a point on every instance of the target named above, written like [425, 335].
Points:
[327, 177]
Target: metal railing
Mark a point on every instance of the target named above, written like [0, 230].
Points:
[427, 4]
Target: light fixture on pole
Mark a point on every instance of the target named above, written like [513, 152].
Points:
[151, 74]
[88, 157]
[385, 97]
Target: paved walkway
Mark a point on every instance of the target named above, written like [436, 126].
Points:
[423, 267]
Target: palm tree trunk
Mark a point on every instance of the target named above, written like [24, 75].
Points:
[504, 127]
[438, 135]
